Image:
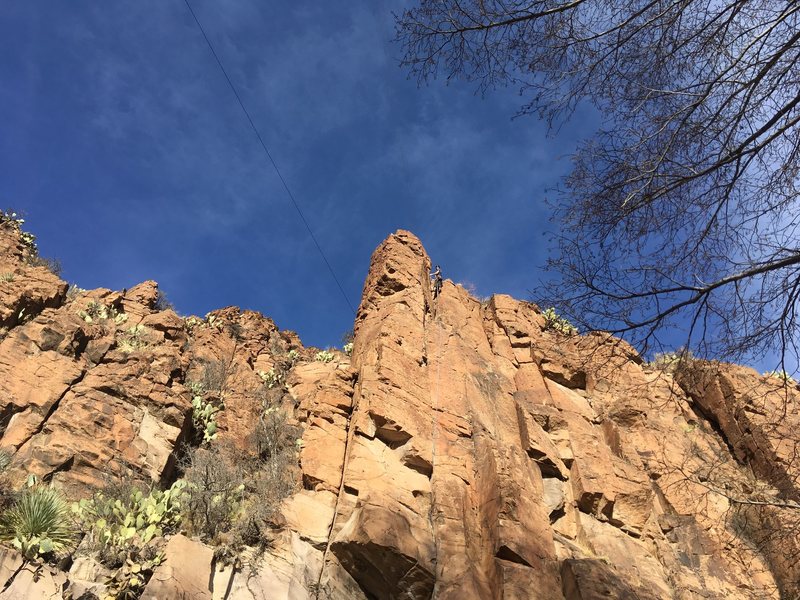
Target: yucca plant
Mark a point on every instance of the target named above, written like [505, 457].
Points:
[38, 523]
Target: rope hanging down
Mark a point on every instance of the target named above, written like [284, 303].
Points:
[434, 442]
[269, 156]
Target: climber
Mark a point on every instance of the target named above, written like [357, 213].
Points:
[437, 281]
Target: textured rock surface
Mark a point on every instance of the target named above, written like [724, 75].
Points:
[463, 451]
[185, 573]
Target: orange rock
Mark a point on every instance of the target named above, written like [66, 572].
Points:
[463, 451]
[185, 573]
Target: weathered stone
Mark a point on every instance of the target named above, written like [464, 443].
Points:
[33, 581]
[310, 514]
[10, 563]
[87, 576]
[32, 290]
[291, 570]
[464, 452]
[590, 578]
[184, 574]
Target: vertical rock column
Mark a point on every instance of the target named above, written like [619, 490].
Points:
[382, 533]
[438, 497]
[493, 532]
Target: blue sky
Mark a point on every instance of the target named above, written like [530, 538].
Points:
[128, 153]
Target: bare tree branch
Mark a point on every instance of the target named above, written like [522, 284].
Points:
[683, 209]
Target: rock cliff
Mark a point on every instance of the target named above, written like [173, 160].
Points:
[465, 449]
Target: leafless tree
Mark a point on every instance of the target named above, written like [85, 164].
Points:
[681, 212]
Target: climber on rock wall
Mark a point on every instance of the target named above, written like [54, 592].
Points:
[437, 281]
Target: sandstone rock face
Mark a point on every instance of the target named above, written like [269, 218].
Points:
[25, 290]
[185, 574]
[463, 450]
[489, 458]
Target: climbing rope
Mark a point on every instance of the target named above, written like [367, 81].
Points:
[345, 460]
[434, 442]
[435, 435]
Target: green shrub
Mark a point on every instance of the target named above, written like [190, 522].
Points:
[782, 375]
[348, 348]
[204, 411]
[233, 494]
[671, 361]
[125, 527]
[10, 216]
[128, 582]
[6, 277]
[196, 388]
[190, 323]
[117, 524]
[213, 321]
[51, 264]
[271, 378]
[38, 523]
[214, 491]
[324, 356]
[73, 291]
[133, 339]
[208, 398]
[554, 322]
[32, 257]
[29, 241]
[204, 418]
[97, 311]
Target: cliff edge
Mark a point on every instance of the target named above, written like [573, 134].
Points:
[464, 449]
